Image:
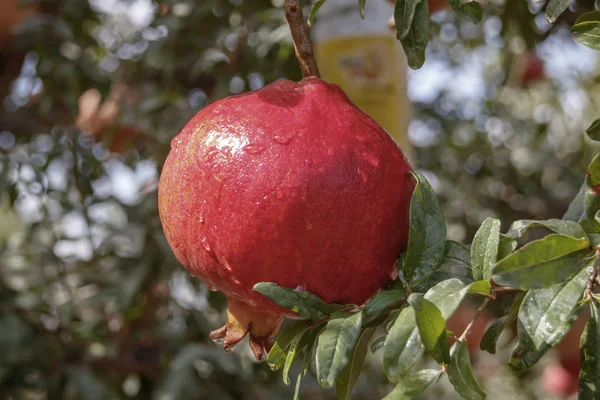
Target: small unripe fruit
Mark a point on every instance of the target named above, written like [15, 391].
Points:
[289, 184]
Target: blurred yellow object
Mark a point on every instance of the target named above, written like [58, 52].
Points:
[366, 61]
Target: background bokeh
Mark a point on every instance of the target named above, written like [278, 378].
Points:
[93, 304]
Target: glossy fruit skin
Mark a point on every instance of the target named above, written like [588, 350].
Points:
[289, 184]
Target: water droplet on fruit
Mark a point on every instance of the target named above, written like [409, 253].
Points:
[370, 158]
[283, 137]
[361, 137]
[361, 174]
[213, 288]
[345, 146]
[253, 148]
[206, 245]
[229, 348]
[201, 218]
[218, 341]
[330, 151]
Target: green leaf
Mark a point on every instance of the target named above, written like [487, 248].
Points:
[448, 295]
[471, 11]
[347, 378]
[383, 300]
[427, 238]
[404, 13]
[306, 346]
[506, 246]
[591, 198]
[377, 344]
[403, 346]
[457, 256]
[415, 42]
[576, 210]
[410, 387]
[306, 305]
[587, 29]
[490, 337]
[315, 9]
[461, 375]
[432, 327]
[593, 131]
[484, 250]
[589, 376]
[545, 317]
[361, 6]
[567, 228]
[336, 345]
[555, 8]
[542, 263]
[295, 345]
[278, 353]
[88, 385]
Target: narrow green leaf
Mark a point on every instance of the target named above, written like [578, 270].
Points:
[427, 238]
[589, 376]
[403, 346]
[567, 228]
[484, 250]
[545, 317]
[361, 6]
[587, 32]
[490, 337]
[542, 263]
[306, 350]
[415, 42]
[306, 305]
[471, 10]
[314, 10]
[278, 353]
[377, 344]
[506, 246]
[347, 378]
[432, 327]
[295, 345]
[382, 300]
[555, 8]
[457, 256]
[593, 131]
[404, 12]
[461, 375]
[576, 210]
[336, 344]
[448, 295]
[591, 197]
[410, 387]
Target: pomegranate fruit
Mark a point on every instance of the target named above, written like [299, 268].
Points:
[289, 184]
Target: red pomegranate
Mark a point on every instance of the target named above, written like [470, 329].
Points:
[289, 184]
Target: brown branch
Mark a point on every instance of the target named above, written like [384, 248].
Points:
[302, 42]
[477, 314]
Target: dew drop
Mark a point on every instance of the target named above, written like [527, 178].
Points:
[213, 288]
[201, 218]
[229, 347]
[253, 148]
[330, 151]
[206, 245]
[361, 174]
[218, 341]
[284, 137]
[370, 158]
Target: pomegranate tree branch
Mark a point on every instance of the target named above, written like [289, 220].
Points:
[302, 42]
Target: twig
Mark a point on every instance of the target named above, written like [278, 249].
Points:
[302, 42]
[477, 314]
